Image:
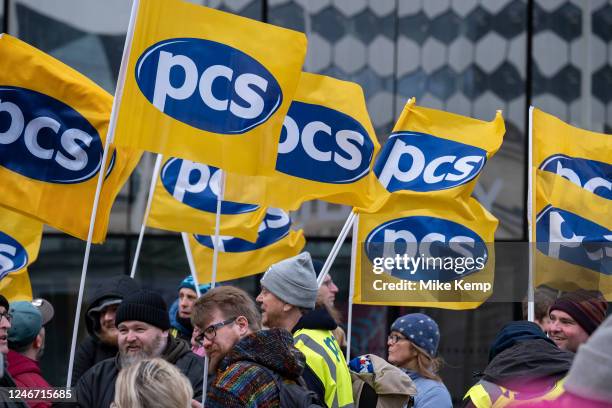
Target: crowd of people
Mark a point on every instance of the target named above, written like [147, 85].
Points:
[286, 348]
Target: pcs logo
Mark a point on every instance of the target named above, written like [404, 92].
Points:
[274, 227]
[13, 256]
[421, 162]
[208, 85]
[322, 144]
[567, 236]
[430, 245]
[44, 139]
[593, 176]
[197, 185]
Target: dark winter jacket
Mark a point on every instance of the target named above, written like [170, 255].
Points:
[241, 380]
[181, 328]
[7, 382]
[318, 319]
[97, 386]
[528, 367]
[26, 373]
[92, 350]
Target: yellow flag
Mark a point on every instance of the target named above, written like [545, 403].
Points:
[208, 86]
[436, 152]
[574, 236]
[19, 244]
[239, 258]
[54, 122]
[437, 254]
[326, 151]
[185, 200]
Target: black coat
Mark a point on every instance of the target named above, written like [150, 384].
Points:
[7, 381]
[97, 386]
[92, 350]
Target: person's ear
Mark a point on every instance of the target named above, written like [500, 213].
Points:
[38, 341]
[287, 307]
[243, 325]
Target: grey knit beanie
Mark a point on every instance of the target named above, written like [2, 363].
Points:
[293, 280]
[591, 373]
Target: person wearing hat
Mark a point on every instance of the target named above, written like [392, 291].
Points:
[101, 342]
[413, 347]
[288, 296]
[180, 310]
[524, 366]
[575, 316]
[26, 341]
[6, 381]
[143, 326]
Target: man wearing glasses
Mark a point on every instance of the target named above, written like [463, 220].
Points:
[5, 379]
[244, 360]
[143, 325]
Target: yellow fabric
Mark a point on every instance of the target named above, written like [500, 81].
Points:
[481, 399]
[469, 214]
[338, 390]
[170, 213]
[274, 243]
[280, 51]
[557, 192]
[20, 238]
[563, 190]
[346, 102]
[425, 125]
[66, 207]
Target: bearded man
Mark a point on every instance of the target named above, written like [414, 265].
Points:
[143, 325]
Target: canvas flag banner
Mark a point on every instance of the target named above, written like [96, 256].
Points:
[20, 238]
[573, 236]
[53, 124]
[185, 200]
[326, 150]
[208, 86]
[572, 203]
[436, 152]
[239, 258]
[437, 255]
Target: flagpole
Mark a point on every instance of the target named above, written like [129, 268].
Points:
[336, 248]
[154, 176]
[217, 228]
[109, 138]
[349, 328]
[530, 204]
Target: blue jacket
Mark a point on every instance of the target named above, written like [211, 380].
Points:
[430, 393]
[178, 330]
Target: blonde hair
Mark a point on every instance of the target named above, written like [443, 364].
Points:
[152, 383]
[426, 365]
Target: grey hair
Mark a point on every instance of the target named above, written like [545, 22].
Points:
[152, 383]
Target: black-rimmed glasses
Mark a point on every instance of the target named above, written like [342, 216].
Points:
[394, 338]
[6, 314]
[211, 331]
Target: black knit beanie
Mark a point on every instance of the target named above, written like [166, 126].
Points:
[144, 306]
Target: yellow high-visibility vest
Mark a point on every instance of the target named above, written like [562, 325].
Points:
[486, 394]
[325, 359]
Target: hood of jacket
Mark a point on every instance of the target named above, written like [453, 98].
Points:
[317, 319]
[114, 287]
[182, 325]
[527, 364]
[19, 364]
[385, 378]
[272, 349]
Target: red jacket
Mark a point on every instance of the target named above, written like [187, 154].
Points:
[27, 374]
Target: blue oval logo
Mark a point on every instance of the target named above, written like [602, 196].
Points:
[44, 139]
[567, 236]
[428, 248]
[420, 162]
[13, 256]
[274, 227]
[208, 85]
[197, 185]
[322, 144]
[594, 176]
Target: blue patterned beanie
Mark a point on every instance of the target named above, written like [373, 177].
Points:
[420, 329]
